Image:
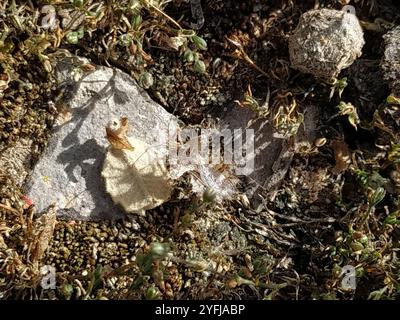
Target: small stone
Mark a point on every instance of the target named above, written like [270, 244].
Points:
[325, 42]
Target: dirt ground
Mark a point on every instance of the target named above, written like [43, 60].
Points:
[338, 206]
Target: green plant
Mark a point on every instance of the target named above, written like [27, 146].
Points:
[338, 86]
[347, 109]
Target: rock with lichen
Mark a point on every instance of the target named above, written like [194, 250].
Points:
[325, 42]
[391, 60]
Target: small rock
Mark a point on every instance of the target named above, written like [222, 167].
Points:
[325, 42]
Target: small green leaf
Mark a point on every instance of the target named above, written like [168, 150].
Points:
[393, 218]
[78, 3]
[72, 37]
[362, 176]
[209, 195]
[159, 250]
[242, 281]
[97, 276]
[377, 196]
[356, 246]
[200, 43]
[152, 293]
[375, 180]
[188, 55]
[187, 33]
[393, 100]
[80, 32]
[199, 66]
[147, 264]
[67, 290]
[394, 153]
[137, 283]
[125, 40]
[338, 87]
[136, 21]
[351, 112]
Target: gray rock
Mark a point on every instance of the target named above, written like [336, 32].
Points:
[325, 42]
[391, 60]
[273, 152]
[69, 171]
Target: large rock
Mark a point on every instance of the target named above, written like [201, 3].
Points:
[69, 171]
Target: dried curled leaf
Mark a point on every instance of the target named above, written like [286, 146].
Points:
[135, 177]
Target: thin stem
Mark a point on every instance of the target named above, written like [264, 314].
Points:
[167, 16]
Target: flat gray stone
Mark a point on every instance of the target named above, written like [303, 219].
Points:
[69, 171]
[273, 152]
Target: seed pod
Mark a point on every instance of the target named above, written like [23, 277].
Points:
[320, 142]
